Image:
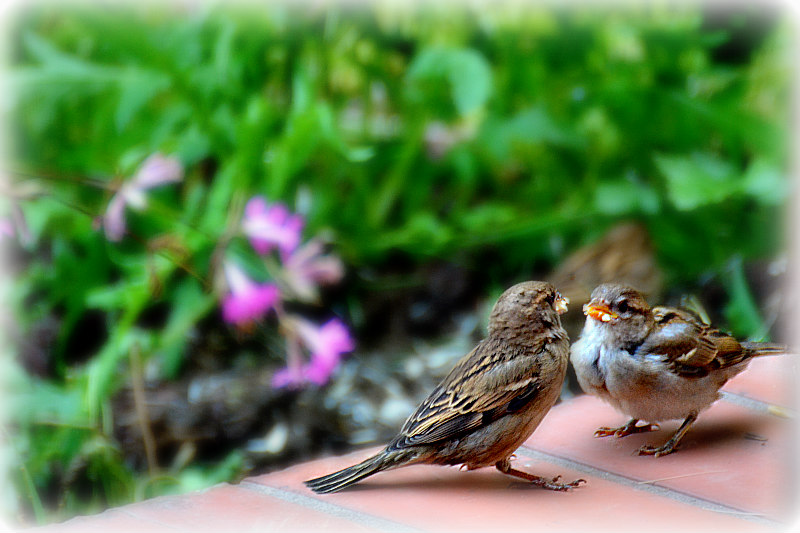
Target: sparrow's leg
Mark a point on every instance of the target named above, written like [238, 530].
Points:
[628, 429]
[670, 446]
[551, 484]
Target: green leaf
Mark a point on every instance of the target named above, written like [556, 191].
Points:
[193, 144]
[530, 126]
[698, 180]
[59, 72]
[190, 304]
[494, 214]
[136, 89]
[103, 373]
[741, 311]
[471, 80]
[60, 63]
[199, 477]
[766, 183]
[623, 197]
[123, 295]
[466, 72]
[423, 232]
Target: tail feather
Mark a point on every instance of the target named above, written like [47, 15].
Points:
[756, 349]
[348, 476]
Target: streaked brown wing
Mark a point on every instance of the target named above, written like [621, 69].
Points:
[692, 348]
[488, 383]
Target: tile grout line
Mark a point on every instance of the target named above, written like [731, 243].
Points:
[365, 519]
[657, 490]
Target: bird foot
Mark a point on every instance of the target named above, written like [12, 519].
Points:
[549, 484]
[628, 429]
[552, 484]
[672, 444]
[657, 451]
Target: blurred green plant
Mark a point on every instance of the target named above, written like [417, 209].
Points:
[427, 132]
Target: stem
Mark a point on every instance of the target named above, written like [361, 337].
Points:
[33, 495]
[27, 479]
[295, 361]
[140, 403]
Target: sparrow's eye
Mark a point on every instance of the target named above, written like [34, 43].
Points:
[622, 307]
[551, 298]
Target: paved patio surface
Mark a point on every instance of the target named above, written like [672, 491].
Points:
[736, 471]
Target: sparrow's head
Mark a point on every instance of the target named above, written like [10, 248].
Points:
[527, 308]
[619, 309]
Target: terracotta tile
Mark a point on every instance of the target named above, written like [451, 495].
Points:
[230, 507]
[769, 379]
[222, 508]
[718, 461]
[292, 477]
[111, 520]
[445, 499]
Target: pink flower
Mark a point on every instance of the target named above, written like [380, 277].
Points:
[155, 171]
[7, 230]
[285, 377]
[327, 344]
[14, 227]
[307, 267]
[271, 226]
[247, 300]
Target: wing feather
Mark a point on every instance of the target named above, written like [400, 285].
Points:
[490, 382]
[690, 347]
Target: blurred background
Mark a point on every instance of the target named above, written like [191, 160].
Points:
[239, 237]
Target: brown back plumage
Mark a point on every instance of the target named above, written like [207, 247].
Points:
[694, 348]
[484, 393]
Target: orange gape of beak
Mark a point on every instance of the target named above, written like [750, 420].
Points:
[599, 312]
[561, 304]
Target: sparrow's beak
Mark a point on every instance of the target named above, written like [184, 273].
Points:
[561, 304]
[599, 311]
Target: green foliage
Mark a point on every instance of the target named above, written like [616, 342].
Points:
[420, 131]
[466, 74]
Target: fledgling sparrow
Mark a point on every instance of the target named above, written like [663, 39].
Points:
[491, 401]
[624, 254]
[654, 364]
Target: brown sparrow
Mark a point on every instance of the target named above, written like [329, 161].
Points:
[491, 401]
[654, 364]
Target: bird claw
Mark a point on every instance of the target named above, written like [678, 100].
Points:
[605, 432]
[563, 487]
[624, 431]
[656, 451]
[550, 484]
[554, 485]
